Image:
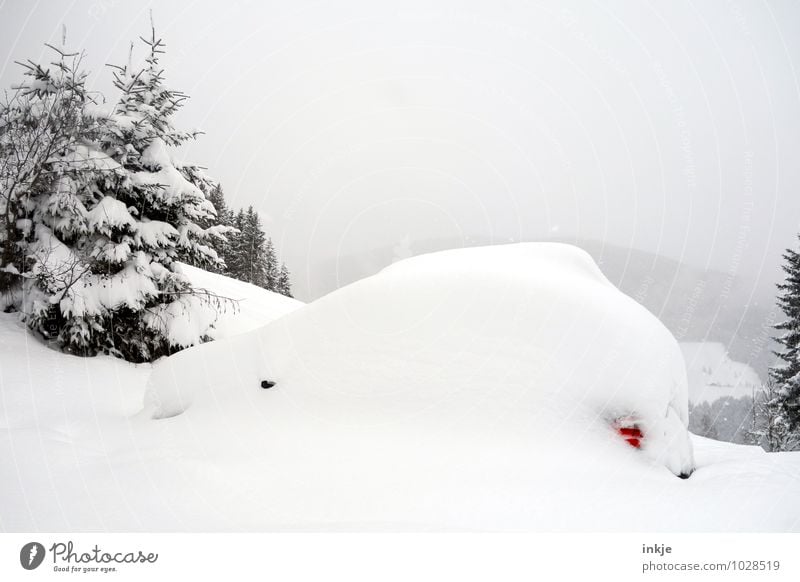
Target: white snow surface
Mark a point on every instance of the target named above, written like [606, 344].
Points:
[407, 401]
[712, 374]
[255, 306]
[109, 213]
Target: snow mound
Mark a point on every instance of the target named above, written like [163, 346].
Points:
[712, 374]
[255, 305]
[521, 347]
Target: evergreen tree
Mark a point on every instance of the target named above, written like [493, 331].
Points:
[235, 266]
[45, 154]
[106, 213]
[787, 375]
[249, 254]
[163, 203]
[223, 219]
[271, 270]
[284, 285]
[770, 427]
[96, 212]
[223, 216]
[250, 248]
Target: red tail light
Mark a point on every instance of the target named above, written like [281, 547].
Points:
[629, 430]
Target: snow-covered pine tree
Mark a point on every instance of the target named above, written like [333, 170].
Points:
[787, 375]
[250, 246]
[215, 228]
[770, 427]
[235, 260]
[144, 221]
[223, 216]
[106, 215]
[284, 284]
[51, 200]
[271, 270]
[248, 253]
[45, 156]
[222, 220]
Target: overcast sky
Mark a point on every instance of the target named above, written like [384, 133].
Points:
[670, 127]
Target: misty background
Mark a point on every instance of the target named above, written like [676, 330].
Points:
[662, 138]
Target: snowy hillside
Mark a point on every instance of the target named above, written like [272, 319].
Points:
[429, 397]
[255, 306]
[712, 374]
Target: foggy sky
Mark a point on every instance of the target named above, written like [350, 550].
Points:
[668, 127]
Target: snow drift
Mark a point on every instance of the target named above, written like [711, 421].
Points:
[255, 306]
[525, 345]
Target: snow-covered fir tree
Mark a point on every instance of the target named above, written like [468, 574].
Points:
[95, 212]
[272, 270]
[222, 217]
[249, 253]
[110, 216]
[166, 202]
[256, 249]
[45, 149]
[770, 426]
[785, 396]
[235, 264]
[284, 286]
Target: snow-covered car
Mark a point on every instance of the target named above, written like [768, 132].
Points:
[501, 364]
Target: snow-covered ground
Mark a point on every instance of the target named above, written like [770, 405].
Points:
[713, 374]
[65, 421]
[430, 396]
[255, 306]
